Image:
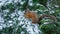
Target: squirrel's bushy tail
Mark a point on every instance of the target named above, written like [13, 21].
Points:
[52, 17]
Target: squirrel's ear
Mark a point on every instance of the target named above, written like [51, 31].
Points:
[27, 9]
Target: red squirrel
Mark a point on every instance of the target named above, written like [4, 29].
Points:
[34, 16]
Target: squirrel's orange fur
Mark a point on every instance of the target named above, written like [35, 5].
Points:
[35, 18]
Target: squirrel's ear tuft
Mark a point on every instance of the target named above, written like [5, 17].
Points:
[27, 9]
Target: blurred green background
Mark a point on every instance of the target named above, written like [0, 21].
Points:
[51, 7]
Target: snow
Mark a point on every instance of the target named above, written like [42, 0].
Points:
[1, 20]
[1, 27]
[28, 25]
[22, 32]
[22, 2]
[31, 28]
[7, 10]
[30, 3]
[2, 2]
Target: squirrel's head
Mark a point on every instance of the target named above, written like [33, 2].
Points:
[27, 13]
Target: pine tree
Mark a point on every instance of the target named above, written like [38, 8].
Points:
[13, 21]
